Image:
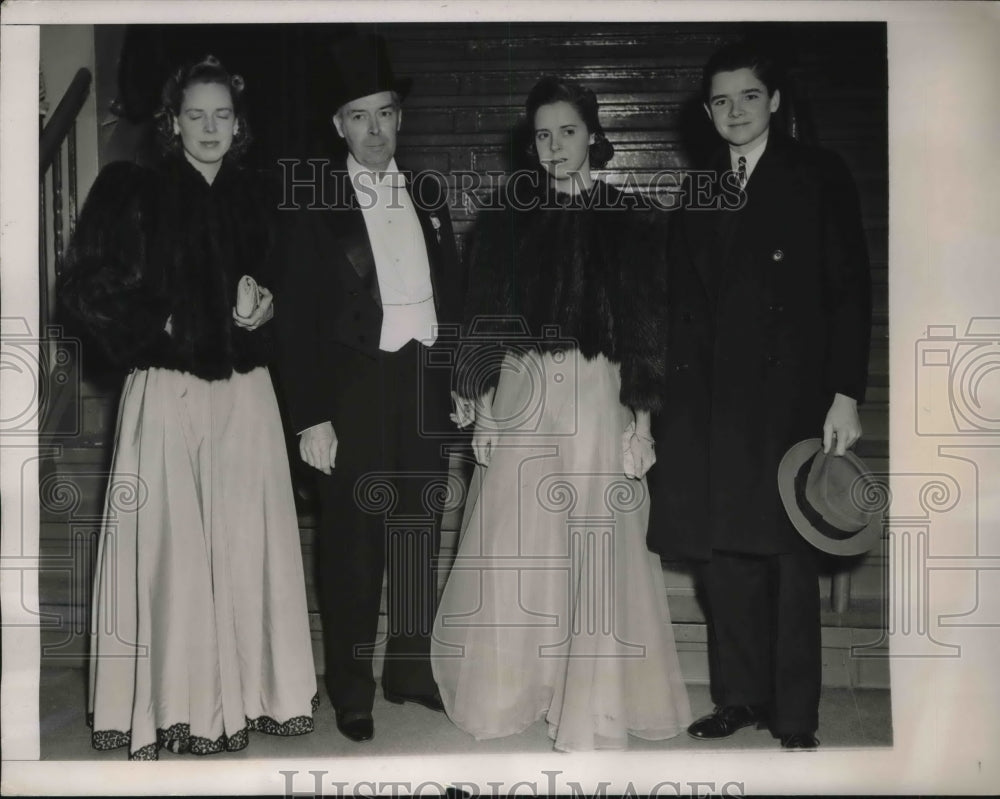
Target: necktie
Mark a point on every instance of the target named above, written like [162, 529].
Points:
[742, 170]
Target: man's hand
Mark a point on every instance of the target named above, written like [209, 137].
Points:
[464, 413]
[842, 423]
[263, 313]
[318, 447]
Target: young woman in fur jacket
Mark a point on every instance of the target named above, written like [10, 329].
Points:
[199, 630]
[554, 608]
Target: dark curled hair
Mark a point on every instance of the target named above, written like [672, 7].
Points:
[206, 70]
[743, 54]
[553, 90]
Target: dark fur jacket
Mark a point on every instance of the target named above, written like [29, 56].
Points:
[585, 272]
[159, 243]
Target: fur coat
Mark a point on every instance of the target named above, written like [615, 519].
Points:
[159, 243]
[585, 272]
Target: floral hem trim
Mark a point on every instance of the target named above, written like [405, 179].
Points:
[178, 739]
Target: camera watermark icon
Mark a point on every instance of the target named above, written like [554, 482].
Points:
[917, 570]
[958, 379]
[44, 370]
[957, 382]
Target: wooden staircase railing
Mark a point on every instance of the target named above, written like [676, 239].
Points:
[58, 134]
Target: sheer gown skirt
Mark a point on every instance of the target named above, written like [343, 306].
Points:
[554, 607]
[200, 630]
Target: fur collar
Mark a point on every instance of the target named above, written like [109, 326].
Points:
[163, 242]
[579, 273]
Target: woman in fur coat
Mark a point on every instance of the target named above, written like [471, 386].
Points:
[554, 608]
[199, 627]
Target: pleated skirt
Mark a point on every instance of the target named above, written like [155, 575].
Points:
[199, 629]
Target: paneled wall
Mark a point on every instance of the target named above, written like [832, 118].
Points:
[470, 83]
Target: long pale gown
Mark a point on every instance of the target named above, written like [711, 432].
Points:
[554, 608]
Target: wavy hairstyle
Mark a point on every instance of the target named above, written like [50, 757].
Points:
[553, 90]
[205, 70]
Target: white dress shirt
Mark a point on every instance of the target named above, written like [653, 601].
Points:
[401, 265]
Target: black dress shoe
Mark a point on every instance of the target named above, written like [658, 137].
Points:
[799, 740]
[724, 721]
[357, 725]
[431, 701]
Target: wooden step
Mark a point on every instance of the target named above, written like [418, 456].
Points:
[856, 657]
[64, 590]
[68, 563]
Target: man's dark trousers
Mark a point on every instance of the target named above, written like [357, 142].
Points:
[381, 508]
[765, 598]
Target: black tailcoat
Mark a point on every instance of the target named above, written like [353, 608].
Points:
[330, 318]
[769, 315]
[380, 510]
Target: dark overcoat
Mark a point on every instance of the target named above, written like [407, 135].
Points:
[769, 317]
[329, 310]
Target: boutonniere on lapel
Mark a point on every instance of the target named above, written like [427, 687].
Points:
[436, 224]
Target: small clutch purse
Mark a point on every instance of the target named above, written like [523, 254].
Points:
[247, 296]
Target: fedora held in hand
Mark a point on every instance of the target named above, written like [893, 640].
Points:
[823, 496]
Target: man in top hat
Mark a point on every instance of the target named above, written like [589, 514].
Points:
[370, 274]
[769, 331]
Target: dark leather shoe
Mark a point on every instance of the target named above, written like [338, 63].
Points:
[724, 721]
[356, 725]
[431, 701]
[799, 740]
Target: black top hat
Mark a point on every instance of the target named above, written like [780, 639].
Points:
[824, 496]
[361, 67]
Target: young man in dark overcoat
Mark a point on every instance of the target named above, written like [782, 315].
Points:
[371, 282]
[770, 316]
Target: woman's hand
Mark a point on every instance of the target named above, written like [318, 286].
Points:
[486, 434]
[637, 447]
[262, 314]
